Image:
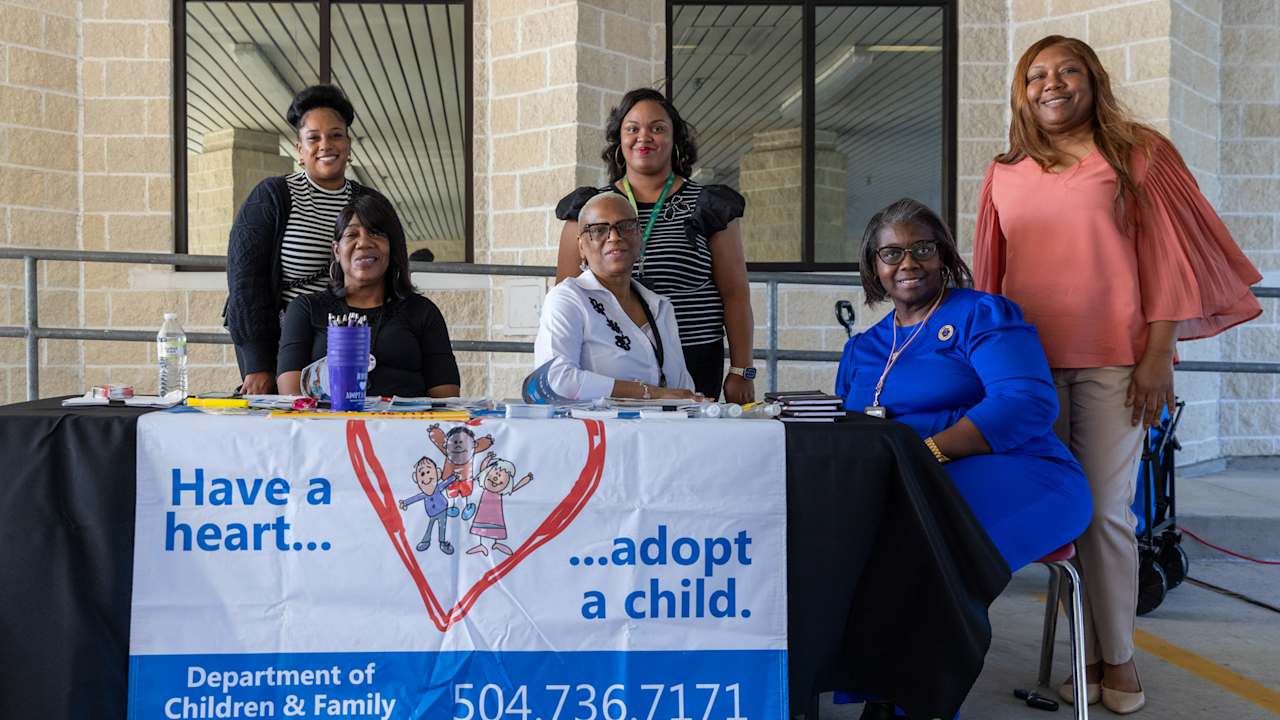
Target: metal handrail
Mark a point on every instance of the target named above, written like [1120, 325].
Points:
[772, 355]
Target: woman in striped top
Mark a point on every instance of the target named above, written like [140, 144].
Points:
[280, 240]
[692, 249]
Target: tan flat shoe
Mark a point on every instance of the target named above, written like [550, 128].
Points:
[1121, 702]
[1092, 692]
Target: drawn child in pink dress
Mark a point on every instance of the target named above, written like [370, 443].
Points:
[496, 479]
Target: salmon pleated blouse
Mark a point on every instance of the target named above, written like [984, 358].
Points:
[1050, 242]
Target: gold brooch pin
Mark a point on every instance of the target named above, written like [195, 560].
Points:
[945, 333]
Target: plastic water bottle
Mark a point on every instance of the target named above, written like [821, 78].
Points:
[171, 346]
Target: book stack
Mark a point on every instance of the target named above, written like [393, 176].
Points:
[808, 406]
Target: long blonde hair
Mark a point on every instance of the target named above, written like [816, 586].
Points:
[1115, 133]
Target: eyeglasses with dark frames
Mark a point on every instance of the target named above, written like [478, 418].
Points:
[921, 251]
[628, 229]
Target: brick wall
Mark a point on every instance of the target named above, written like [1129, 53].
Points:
[40, 192]
[554, 70]
[84, 162]
[128, 199]
[1193, 47]
[1250, 202]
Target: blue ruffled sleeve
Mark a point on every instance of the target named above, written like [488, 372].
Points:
[1021, 402]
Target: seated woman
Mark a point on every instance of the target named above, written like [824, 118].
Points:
[968, 374]
[370, 276]
[603, 333]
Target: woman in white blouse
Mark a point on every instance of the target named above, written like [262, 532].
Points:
[603, 333]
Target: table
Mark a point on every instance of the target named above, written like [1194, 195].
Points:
[889, 574]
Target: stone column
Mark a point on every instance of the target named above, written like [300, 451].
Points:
[220, 177]
[547, 74]
[1249, 153]
[40, 165]
[771, 178]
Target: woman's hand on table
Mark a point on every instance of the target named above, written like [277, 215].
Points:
[738, 389]
[258, 383]
[673, 394]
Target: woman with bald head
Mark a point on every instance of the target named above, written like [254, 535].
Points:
[604, 333]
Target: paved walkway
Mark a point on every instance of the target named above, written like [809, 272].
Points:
[1202, 653]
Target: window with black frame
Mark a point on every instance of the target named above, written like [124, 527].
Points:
[404, 65]
[818, 113]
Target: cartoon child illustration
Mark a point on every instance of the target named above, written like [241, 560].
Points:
[459, 447]
[427, 477]
[496, 479]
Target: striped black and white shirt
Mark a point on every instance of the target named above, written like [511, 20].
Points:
[677, 259]
[306, 249]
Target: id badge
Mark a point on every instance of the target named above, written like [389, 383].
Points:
[875, 411]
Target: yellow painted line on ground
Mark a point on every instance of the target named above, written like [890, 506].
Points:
[1229, 680]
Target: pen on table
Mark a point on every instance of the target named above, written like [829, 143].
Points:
[218, 402]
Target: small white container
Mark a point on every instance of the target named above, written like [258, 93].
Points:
[520, 410]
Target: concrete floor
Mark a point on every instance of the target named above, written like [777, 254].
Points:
[1201, 654]
[1232, 648]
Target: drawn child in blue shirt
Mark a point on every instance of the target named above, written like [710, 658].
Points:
[426, 475]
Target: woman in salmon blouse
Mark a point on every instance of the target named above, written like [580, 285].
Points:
[1092, 223]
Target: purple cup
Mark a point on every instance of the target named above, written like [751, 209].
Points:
[348, 360]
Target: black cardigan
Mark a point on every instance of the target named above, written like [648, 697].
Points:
[254, 286]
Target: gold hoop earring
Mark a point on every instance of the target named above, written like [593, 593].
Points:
[679, 159]
[617, 155]
[333, 269]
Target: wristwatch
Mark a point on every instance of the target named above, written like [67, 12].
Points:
[748, 372]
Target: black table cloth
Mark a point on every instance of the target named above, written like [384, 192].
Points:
[889, 574]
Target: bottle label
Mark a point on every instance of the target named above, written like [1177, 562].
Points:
[173, 348]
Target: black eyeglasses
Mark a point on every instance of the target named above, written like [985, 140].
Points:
[628, 229]
[921, 251]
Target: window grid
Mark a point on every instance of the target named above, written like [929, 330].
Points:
[458, 127]
[810, 9]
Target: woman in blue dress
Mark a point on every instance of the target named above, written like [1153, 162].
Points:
[968, 374]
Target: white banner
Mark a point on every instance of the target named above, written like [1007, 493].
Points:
[531, 569]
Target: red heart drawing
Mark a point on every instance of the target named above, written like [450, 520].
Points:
[364, 459]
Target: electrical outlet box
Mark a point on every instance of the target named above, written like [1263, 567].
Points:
[524, 306]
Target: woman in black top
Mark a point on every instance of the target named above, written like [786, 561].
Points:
[370, 276]
[692, 253]
[279, 245]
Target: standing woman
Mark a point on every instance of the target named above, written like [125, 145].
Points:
[280, 240]
[1092, 223]
[691, 249]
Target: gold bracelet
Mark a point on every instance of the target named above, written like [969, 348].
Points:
[933, 448]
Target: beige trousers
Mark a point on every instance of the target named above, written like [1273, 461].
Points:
[1095, 425]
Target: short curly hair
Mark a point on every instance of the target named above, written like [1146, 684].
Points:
[910, 212]
[684, 149]
[319, 96]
